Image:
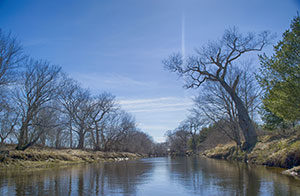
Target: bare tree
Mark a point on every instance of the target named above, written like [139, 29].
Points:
[218, 106]
[138, 142]
[193, 125]
[177, 140]
[68, 99]
[211, 63]
[55, 132]
[33, 98]
[119, 125]
[77, 107]
[11, 56]
[102, 106]
[80, 114]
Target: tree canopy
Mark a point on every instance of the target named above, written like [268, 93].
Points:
[280, 75]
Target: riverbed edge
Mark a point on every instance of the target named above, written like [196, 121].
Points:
[48, 158]
[282, 152]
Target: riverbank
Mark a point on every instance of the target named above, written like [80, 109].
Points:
[272, 150]
[46, 157]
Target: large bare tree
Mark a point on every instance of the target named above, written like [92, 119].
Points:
[32, 98]
[80, 114]
[211, 62]
[217, 106]
[68, 99]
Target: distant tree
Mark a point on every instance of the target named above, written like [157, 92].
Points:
[137, 141]
[193, 125]
[32, 98]
[280, 75]
[160, 149]
[211, 64]
[118, 126]
[178, 140]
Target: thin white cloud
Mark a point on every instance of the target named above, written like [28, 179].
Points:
[153, 115]
[142, 101]
[163, 104]
[153, 127]
[171, 109]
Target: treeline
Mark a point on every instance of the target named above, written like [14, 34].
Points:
[234, 96]
[41, 105]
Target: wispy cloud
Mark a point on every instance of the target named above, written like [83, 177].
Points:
[162, 104]
[157, 115]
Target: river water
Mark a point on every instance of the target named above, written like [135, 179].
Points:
[153, 177]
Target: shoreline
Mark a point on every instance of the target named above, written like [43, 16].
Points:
[271, 151]
[47, 158]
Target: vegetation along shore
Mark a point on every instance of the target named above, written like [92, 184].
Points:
[37, 157]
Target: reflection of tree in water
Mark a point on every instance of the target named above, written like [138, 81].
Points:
[199, 176]
[116, 178]
[98, 179]
[207, 176]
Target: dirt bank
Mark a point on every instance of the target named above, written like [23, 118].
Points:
[270, 150]
[43, 157]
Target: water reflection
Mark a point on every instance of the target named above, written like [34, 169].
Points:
[214, 177]
[157, 176]
[94, 179]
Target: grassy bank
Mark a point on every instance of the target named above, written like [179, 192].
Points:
[272, 150]
[44, 157]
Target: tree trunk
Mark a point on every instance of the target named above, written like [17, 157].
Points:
[71, 134]
[245, 122]
[97, 146]
[21, 139]
[81, 141]
[194, 145]
[57, 140]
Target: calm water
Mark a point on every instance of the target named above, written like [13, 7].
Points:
[153, 176]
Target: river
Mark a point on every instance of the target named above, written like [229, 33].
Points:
[152, 176]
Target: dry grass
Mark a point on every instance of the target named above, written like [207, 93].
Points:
[271, 150]
[45, 157]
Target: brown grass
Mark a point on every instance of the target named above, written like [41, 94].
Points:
[271, 150]
[46, 157]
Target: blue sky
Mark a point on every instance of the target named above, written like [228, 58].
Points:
[118, 45]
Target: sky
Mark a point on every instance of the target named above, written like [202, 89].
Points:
[118, 46]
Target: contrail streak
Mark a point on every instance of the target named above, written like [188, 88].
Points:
[183, 35]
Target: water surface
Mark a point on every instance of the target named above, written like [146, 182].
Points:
[153, 176]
